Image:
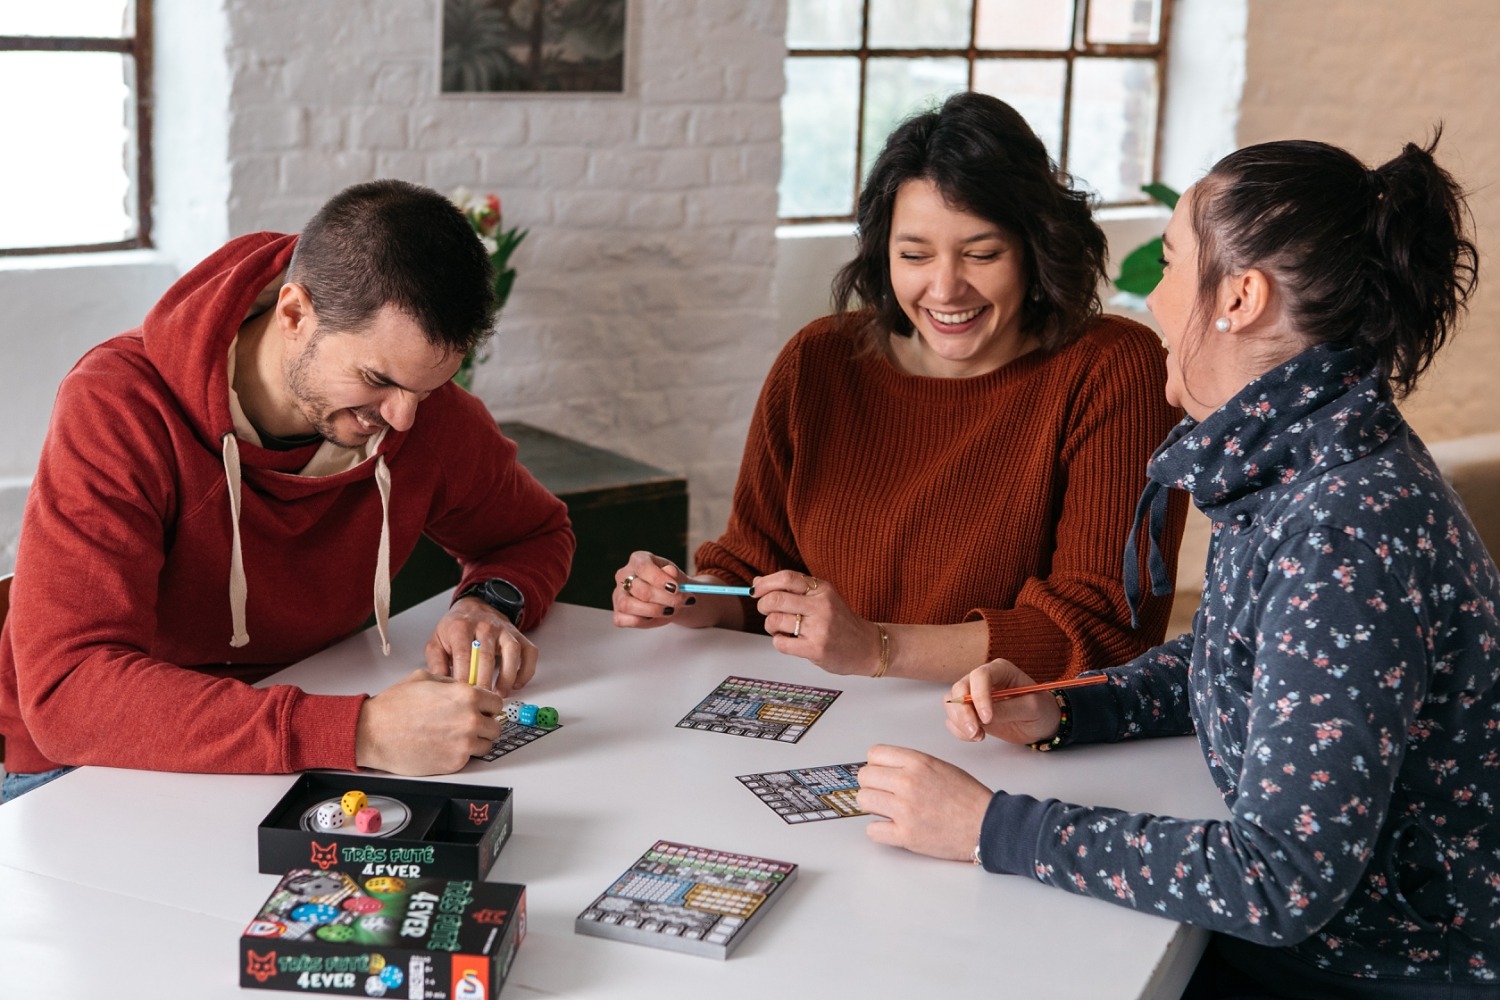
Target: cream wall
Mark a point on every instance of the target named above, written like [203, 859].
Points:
[1371, 75]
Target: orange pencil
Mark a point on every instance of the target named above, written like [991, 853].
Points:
[1000, 694]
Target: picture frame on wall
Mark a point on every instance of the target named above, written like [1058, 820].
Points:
[533, 47]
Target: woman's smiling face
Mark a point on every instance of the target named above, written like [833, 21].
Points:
[960, 279]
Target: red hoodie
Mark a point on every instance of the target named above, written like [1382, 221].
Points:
[134, 630]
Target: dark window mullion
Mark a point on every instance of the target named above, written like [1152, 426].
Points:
[1080, 47]
[63, 43]
[145, 115]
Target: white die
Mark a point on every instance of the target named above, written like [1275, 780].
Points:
[513, 711]
[330, 816]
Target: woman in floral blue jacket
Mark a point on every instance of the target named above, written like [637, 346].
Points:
[1341, 673]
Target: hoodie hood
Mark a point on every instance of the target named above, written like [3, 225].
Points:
[1321, 409]
[189, 337]
[188, 333]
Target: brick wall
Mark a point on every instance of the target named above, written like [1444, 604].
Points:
[643, 317]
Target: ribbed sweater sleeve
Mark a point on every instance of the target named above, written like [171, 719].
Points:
[1005, 497]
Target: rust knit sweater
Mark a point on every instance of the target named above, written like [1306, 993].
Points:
[1006, 496]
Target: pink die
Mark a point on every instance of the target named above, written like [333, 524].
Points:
[368, 820]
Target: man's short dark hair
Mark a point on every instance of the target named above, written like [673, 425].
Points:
[388, 242]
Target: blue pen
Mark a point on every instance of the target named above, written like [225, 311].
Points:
[713, 588]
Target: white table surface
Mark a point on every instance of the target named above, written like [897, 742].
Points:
[168, 861]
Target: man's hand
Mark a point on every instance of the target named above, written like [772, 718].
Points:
[425, 724]
[931, 807]
[507, 659]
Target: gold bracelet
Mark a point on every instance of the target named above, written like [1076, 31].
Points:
[885, 652]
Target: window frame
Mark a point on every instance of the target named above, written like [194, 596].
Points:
[138, 46]
[1079, 47]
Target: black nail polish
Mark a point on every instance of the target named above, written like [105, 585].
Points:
[752, 591]
[692, 600]
[667, 611]
[669, 587]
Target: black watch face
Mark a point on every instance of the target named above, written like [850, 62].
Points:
[505, 592]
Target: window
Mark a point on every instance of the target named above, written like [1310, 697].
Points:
[1086, 74]
[76, 116]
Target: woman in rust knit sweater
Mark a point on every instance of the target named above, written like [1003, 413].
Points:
[945, 475]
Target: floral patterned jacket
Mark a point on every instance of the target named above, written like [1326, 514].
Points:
[1341, 676]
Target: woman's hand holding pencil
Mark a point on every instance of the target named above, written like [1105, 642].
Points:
[999, 700]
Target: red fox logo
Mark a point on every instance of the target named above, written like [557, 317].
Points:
[479, 814]
[261, 967]
[325, 857]
[496, 917]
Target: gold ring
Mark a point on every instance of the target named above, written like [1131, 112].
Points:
[797, 627]
[812, 585]
[625, 583]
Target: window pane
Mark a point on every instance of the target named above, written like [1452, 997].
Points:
[898, 88]
[73, 186]
[1113, 126]
[931, 24]
[819, 117]
[1024, 24]
[823, 24]
[84, 18]
[1034, 87]
[1123, 21]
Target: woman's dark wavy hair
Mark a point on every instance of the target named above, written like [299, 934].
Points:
[1379, 261]
[985, 160]
[388, 242]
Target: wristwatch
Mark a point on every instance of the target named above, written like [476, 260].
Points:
[502, 595]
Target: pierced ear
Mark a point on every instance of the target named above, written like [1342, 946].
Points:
[1247, 297]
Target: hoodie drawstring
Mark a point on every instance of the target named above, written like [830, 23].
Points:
[1153, 500]
[383, 557]
[237, 587]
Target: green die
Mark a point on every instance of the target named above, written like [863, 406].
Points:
[546, 718]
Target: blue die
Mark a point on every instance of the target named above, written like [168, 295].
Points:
[391, 976]
[528, 715]
[315, 913]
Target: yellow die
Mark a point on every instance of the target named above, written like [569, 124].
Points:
[353, 802]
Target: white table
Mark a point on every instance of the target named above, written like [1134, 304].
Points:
[173, 872]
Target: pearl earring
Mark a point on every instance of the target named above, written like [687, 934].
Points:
[1222, 324]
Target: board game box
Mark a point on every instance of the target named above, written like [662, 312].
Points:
[426, 938]
[689, 899]
[423, 829]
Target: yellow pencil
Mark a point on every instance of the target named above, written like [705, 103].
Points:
[474, 663]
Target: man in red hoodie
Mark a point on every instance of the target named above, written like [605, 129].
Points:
[228, 489]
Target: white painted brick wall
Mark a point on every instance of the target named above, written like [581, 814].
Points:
[643, 317]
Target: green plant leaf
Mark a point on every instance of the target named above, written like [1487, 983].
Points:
[1141, 270]
[503, 281]
[1162, 193]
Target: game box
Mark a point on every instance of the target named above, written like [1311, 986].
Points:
[689, 899]
[424, 938]
[423, 829]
